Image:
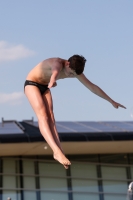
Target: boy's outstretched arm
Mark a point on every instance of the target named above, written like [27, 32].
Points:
[96, 90]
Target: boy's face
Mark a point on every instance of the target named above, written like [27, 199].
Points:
[68, 71]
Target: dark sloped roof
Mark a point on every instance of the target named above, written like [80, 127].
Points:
[28, 131]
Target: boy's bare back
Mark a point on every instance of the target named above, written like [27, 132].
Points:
[42, 72]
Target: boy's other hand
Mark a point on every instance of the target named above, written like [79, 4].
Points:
[117, 105]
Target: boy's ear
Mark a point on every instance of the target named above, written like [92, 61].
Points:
[68, 63]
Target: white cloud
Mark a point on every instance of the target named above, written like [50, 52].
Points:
[14, 98]
[9, 52]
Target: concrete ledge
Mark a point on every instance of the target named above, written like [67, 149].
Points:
[41, 148]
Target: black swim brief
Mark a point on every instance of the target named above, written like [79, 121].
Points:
[41, 87]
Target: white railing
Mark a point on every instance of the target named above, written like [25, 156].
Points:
[130, 192]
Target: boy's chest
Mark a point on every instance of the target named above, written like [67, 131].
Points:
[61, 75]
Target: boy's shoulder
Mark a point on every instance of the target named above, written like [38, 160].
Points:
[56, 62]
[54, 59]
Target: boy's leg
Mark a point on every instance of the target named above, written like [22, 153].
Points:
[47, 97]
[39, 106]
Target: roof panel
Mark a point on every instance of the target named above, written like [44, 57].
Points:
[61, 128]
[130, 123]
[10, 128]
[77, 127]
[122, 126]
[33, 123]
[84, 126]
[69, 126]
[102, 127]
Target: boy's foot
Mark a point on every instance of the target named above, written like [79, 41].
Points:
[62, 159]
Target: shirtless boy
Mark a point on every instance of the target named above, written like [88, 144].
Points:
[37, 89]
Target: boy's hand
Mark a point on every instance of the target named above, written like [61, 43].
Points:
[117, 105]
[55, 84]
[52, 84]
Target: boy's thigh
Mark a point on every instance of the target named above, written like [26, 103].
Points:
[35, 98]
[48, 101]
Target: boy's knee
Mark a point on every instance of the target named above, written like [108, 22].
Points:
[46, 116]
[43, 117]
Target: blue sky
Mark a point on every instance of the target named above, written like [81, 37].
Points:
[100, 30]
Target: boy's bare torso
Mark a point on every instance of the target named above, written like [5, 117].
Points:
[42, 72]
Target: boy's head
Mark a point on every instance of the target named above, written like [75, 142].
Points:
[77, 63]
